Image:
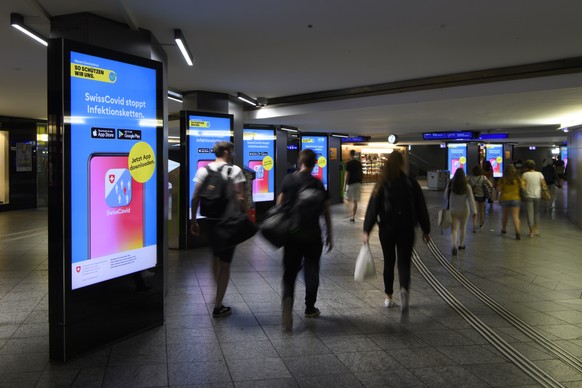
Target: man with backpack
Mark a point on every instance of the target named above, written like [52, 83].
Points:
[210, 194]
[307, 200]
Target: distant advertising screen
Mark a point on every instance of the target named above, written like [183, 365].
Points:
[203, 132]
[494, 154]
[457, 157]
[319, 145]
[259, 156]
[564, 155]
[113, 128]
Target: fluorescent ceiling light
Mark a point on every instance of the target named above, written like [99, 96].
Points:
[172, 95]
[247, 99]
[339, 135]
[288, 130]
[17, 21]
[181, 42]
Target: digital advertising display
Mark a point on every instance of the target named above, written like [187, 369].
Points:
[457, 157]
[494, 154]
[259, 156]
[564, 155]
[113, 164]
[317, 143]
[202, 132]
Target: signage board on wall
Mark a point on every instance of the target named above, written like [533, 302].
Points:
[457, 157]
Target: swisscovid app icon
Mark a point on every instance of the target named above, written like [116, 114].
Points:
[118, 187]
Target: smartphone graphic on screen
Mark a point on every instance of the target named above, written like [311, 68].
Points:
[317, 172]
[116, 206]
[261, 182]
[203, 163]
[455, 164]
[496, 167]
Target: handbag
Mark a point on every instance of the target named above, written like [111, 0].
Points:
[235, 229]
[444, 218]
[276, 226]
[365, 267]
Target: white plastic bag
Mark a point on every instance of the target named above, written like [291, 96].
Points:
[444, 219]
[365, 268]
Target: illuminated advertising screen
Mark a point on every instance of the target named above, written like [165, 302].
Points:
[494, 154]
[317, 143]
[203, 132]
[564, 155]
[457, 157]
[259, 156]
[113, 166]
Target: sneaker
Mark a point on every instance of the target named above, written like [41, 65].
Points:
[287, 317]
[389, 302]
[474, 230]
[352, 220]
[221, 311]
[312, 312]
[404, 300]
[461, 247]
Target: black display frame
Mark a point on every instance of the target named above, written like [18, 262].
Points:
[116, 308]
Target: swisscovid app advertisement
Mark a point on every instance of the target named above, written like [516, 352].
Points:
[259, 156]
[319, 145]
[203, 132]
[494, 154]
[113, 168]
[457, 157]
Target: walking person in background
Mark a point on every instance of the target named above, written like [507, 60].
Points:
[459, 196]
[397, 205]
[488, 172]
[509, 188]
[482, 189]
[353, 183]
[308, 198]
[533, 182]
[549, 173]
[223, 255]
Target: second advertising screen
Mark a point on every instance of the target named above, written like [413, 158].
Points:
[203, 132]
[317, 143]
[494, 155]
[259, 156]
[457, 157]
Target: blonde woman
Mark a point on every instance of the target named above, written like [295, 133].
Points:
[509, 188]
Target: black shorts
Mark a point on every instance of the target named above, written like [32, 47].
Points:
[218, 247]
[480, 199]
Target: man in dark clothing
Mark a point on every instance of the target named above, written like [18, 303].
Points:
[308, 199]
[549, 173]
[353, 182]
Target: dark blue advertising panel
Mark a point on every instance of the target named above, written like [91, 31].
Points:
[203, 131]
[104, 199]
[457, 157]
[259, 156]
[113, 165]
[494, 154]
[317, 143]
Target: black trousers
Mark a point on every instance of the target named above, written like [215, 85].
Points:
[397, 241]
[294, 254]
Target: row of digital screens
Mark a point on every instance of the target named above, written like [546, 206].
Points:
[258, 152]
[457, 158]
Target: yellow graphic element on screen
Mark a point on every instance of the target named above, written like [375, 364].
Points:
[199, 124]
[307, 140]
[499, 159]
[322, 162]
[93, 73]
[267, 163]
[141, 162]
[462, 160]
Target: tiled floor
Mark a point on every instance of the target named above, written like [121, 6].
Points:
[355, 342]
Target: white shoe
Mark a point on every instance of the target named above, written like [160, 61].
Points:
[404, 300]
[389, 303]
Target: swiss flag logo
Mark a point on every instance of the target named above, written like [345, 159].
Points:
[111, 178]
[78, 268]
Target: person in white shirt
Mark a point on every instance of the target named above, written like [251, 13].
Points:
[533, 195]
[460, 201]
